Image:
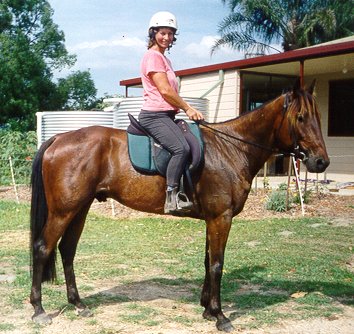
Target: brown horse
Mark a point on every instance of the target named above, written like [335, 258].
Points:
[72, 169]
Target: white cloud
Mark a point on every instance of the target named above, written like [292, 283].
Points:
[121, 42]
[202, 49]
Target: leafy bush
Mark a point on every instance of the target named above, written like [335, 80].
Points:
[305, 197]
[283, 186]
[21, 147]
[277, 201]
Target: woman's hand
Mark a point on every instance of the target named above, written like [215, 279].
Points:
[194, 114]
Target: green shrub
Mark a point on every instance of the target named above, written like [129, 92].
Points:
[21, 147]
[305, 197]
[283, 186]
[266, 184]
[277, 201]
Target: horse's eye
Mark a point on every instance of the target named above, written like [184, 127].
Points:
[300, 118]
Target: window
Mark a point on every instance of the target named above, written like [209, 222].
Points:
[341, 108]
[258, 88]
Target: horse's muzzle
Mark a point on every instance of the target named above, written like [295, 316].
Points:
[316, 164]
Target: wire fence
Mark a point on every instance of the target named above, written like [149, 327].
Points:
[15, 170]
[17, 150]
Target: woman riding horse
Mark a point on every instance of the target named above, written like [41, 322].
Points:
[73, 169]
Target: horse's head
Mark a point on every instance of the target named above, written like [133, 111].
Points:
[301, 133]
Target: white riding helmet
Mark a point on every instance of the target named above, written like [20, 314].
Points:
[163, 19]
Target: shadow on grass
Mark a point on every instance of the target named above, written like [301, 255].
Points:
[268, 292]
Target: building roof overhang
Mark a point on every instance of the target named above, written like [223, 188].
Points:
[324, 58]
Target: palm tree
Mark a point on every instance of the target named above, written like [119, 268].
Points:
[344, 11]
[253, 25]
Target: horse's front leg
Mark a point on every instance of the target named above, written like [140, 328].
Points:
[205, 297]
[216, 238]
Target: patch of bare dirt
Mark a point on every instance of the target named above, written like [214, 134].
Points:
[336, 207]
[340, 209]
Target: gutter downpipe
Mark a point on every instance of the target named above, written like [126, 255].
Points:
[179, 83]
[220, 82]
[302, 67]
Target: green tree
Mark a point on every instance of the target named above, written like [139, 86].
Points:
[77, 91]
[25, 83]
[253, 25]
[31, 48]
[31, 20]
[344, 11]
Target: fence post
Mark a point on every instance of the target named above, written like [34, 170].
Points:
[265, 174]
[113, 208]
[298, 185]
[256, 184]
[288, 187]
[13, 179]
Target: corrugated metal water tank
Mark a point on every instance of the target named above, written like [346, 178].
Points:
[133, 105]
[50, 123]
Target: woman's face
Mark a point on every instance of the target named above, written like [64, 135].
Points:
[164, 38]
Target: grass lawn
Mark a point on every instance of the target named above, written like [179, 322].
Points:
[274, 269]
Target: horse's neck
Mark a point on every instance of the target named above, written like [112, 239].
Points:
[258, 127]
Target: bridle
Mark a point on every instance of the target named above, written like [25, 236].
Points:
[296, 151]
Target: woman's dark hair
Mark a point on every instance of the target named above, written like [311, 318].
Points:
[152, 34]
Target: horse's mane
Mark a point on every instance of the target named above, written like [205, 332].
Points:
[301, 101]
[248, 112]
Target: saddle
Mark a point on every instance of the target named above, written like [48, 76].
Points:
[149, 157]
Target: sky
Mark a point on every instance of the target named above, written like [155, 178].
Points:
[109, 37]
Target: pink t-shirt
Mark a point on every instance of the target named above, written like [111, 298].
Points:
[154, 61]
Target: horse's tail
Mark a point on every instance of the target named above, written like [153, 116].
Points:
[39, 213]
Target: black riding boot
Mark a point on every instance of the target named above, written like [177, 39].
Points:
[177, 201]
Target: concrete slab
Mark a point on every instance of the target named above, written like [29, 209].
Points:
[338, 184]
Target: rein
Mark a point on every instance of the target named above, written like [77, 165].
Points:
[205, 124]
[296, 150]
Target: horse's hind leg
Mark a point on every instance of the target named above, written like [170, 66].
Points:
[67, 247]
[43, 264]
[41, 255]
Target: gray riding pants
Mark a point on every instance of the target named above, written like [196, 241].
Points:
[164, 130]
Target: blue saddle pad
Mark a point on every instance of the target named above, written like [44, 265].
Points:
[147, 156]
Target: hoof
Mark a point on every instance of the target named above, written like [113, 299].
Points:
[225, 325]
[42, 319]
[85, 313]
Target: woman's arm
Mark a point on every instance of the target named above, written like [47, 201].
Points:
[169, 94]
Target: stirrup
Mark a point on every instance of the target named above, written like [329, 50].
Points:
[177, 202]
[182, 202]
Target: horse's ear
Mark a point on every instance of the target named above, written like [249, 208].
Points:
[312, 87]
